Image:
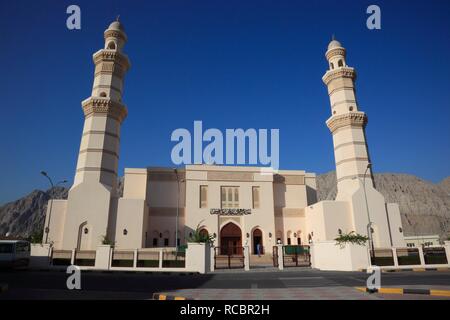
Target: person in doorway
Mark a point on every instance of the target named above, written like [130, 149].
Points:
[258, 249]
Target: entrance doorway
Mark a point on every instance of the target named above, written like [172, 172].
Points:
[257, 240]
[230, 239]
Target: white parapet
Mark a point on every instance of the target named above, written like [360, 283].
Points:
[103, 257]
[40, 255]
[326, 255]
[198, 257]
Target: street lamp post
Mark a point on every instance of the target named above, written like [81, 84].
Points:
[47, 228]
[369, 224]
[369, 228]
[178, 206]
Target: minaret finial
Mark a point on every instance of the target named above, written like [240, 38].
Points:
[332, 37]
[118, 16]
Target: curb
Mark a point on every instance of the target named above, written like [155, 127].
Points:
[3, 287]
[410, 269]
[430, 292]
[171, 273]
[157, 296]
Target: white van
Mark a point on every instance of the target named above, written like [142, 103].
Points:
[14, 253]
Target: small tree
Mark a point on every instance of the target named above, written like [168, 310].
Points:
[36, 237]
[352, 237]
[200, 237]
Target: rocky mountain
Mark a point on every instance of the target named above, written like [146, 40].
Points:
[27, 215]
[424, 206]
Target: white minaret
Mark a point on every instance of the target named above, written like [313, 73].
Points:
[92, 200]
[347, 123]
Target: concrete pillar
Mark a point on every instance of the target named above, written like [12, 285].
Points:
[421, 256]
[394, 256]
[280, 257]
[103, 257]
[246, 258]
[160, 259]
[72, 257]
[135, 257]
[447, 251]
[212, 258]
[197, 258]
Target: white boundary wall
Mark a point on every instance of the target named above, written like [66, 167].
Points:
[326, 255]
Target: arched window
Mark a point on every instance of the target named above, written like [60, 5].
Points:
[111, 45]
[288, 238]
[340, 63]
[331, 65]
[203, 232]
[103, 94]
[155, 238]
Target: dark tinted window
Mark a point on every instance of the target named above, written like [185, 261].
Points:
[6, 248]
[22, 247]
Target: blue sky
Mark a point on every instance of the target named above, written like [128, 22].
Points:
[231, 64]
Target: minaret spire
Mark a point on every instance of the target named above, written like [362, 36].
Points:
[347, 124]
[93, 195]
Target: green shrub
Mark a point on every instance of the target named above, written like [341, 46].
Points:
[107, 241]
[352, 237]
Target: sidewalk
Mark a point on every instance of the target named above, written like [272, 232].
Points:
[316, 293]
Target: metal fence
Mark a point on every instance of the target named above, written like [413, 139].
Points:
[296, 256]
[228, 257]
[435, 255]
[122, 258]
[382, 257]
[174, 259]
[61, 257]
[85, 258]
[408, 256]
[147, 259]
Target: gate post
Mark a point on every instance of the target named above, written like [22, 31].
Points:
[135, 258]
[246, 258]
[160, 264]
[72, 256]
[421, 256]
[280, 257]
[447, 251]
[394, 256]
[212, 258]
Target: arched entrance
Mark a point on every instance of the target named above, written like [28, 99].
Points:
[230, 239]
[257, 239]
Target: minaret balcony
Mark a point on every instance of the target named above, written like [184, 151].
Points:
[104, 106]
[106, 55]
[341, 72]
[357, 119]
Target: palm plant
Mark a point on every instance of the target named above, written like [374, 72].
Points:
[200, 237]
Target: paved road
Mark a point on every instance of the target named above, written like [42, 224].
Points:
[288, 284]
